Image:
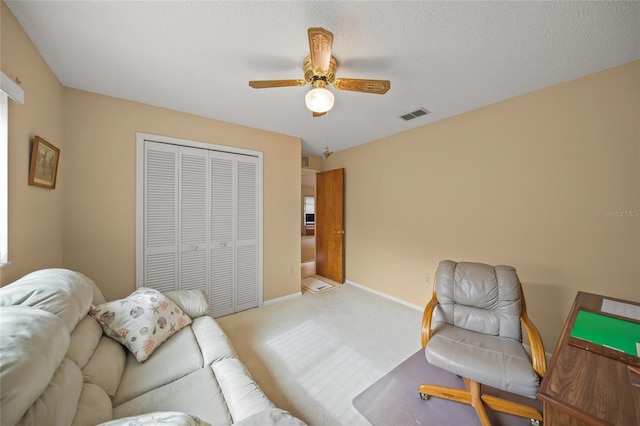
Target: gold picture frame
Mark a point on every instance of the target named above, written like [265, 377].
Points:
[44, 164]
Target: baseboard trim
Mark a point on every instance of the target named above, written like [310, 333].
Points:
[282, 299]
[385, 295]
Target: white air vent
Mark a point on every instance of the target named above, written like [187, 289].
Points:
[305, 161]
[415, 114]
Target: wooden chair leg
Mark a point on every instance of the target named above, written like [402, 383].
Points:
[473, 396]
[499, 404]
[458, 395]
[476, 401]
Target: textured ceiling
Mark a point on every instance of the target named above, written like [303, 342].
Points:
[448, 57]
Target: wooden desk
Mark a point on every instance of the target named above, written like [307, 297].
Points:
[585, 388]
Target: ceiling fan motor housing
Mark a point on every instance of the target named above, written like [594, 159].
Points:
[310, 75]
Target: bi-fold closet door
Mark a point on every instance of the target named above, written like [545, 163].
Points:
[200, 227]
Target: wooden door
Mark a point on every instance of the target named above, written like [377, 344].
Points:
[330, 225]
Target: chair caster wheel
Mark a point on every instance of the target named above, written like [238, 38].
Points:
[424, 396]
[535, 422]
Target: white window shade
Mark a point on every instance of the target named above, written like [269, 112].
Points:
[309, 205]
[4, 180]
[8, 89]
[11, 88]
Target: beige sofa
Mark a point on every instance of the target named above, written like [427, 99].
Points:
[58, 367]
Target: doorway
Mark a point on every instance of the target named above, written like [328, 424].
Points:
[308, 238]
[322, 210]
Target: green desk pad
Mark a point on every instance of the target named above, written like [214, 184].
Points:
[607, 331]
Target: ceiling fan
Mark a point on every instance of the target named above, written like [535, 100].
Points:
[319, 70]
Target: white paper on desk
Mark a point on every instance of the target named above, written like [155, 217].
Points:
[622, 309]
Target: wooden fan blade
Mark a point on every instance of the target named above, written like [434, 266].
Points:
[264, 84]
[320, 45]
[379, 87]
[318, 114]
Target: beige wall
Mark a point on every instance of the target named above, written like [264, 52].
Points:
[88, 222]
[526, 182]
[35, 214]
[99, 223]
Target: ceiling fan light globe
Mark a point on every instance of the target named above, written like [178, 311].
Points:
[319, 100]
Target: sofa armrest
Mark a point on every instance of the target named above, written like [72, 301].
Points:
[194, 303]
[271, 417]
[175, 418]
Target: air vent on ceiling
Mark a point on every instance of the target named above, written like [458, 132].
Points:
[415, 114]
[305, 161]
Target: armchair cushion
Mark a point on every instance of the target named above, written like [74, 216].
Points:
[494, 361]
[480, 298]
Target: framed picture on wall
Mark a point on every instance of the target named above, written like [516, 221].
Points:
[44, 164]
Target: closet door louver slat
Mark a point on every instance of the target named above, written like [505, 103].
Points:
[161, 198]
[161, 271]
[222, 287]
[223, 213]
[193, 197]
[160, 215]
[247, 242]
[247, 291]
[247, 199]
[194, 265]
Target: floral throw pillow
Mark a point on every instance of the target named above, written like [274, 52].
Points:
[142, 321]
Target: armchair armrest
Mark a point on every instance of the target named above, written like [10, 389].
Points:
[538, 356]
[426, 319]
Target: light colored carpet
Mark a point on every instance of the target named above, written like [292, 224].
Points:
[313, 354]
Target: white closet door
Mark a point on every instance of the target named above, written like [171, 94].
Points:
[160, 216]
[194, 219]
[247, 233]
[200, 227]
[223, 236]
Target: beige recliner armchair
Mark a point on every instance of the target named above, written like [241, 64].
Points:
[478, 336]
